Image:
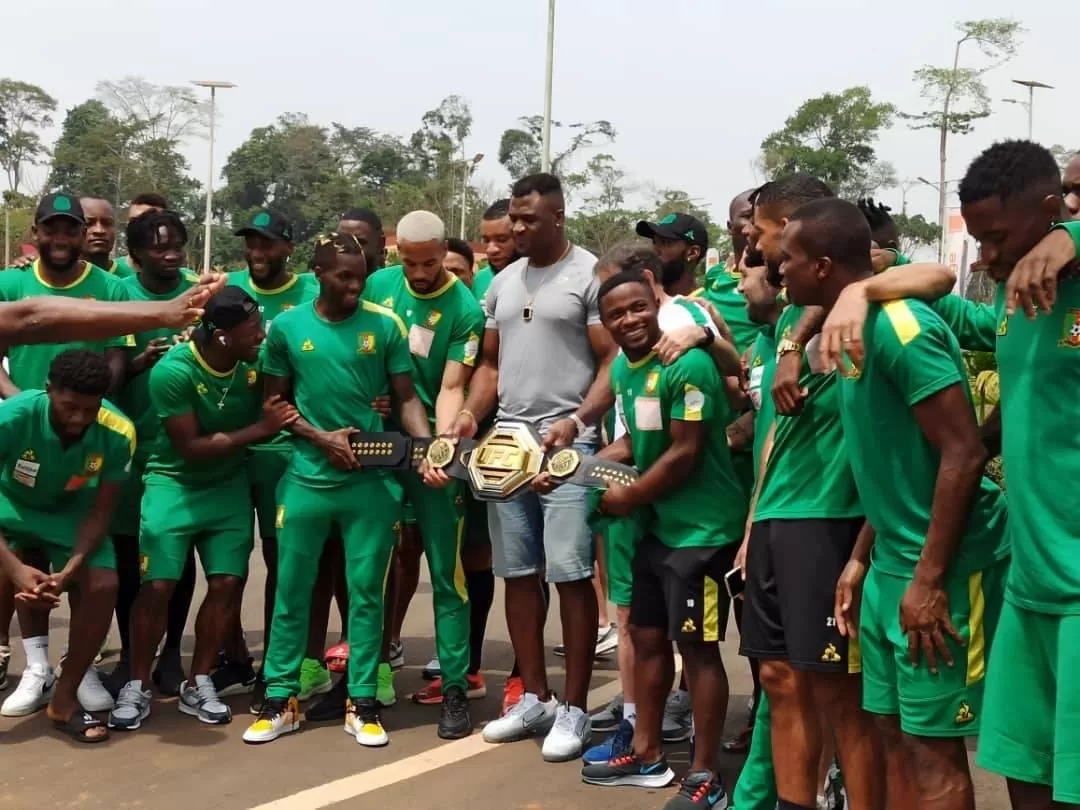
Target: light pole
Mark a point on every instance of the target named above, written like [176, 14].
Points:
[470, 167]
[943, 235]
[545, 150]
[1030, 84]
[214, 87]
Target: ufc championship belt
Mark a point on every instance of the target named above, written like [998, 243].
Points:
[498, 467]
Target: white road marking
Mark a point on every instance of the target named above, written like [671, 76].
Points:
[350, 787]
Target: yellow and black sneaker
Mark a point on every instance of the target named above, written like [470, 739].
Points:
[278, 716]
[362, 722]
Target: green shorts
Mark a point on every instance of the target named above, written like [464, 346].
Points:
[52, 533]
[1031, 717]
[948, 704]
[215, 520]
[125, 520]
[620, 537]
[265, 469]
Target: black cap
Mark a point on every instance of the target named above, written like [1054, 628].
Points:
[59, 204]
[267, 223]
[228, 308]
[677, 226]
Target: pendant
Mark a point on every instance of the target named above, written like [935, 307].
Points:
[527, 313]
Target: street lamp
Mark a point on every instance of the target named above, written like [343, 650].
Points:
[214, 87]
[470, 167]
[1030, 84]
[545, 151]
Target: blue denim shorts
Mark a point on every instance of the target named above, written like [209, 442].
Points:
[543, 534]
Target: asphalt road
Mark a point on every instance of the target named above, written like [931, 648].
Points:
[176, 763]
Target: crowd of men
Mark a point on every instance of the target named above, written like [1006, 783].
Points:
[801, 427]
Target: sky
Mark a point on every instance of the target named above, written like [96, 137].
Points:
[692, 87]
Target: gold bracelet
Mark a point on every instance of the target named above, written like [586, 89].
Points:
[470, 414]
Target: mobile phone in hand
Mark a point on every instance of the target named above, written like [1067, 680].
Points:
[734, 582]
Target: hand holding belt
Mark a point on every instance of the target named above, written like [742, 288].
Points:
[498, 467]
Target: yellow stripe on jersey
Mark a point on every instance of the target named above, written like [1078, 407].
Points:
[697, 293]
[976, 648]
[111, 420]
[389, 313]
[903, 321]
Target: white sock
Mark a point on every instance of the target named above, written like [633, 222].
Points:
[37, 651]
[630, 713]
[202, 679]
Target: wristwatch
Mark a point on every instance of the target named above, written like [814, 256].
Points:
[788, 346]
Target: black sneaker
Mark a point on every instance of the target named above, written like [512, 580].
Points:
[169, 673]
[258, 694]
[5, 659]
[332, 706]
[454, 722]
[700, 789]
[629, 770]
[235, 678]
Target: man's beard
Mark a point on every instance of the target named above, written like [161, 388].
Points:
[753, 257]
[672, 271]
[46, 259]
[772, 274]
[513, 258]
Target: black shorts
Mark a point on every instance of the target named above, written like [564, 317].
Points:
[681, 590]
[476, 521]
[791, 570]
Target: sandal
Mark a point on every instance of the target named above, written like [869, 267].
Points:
[77, 726]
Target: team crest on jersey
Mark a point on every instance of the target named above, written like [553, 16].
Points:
[28, 455]
[758, 361]
[201, 389]
[1003, 327]
[693, 402]
[388, 302]
[252, 377]
[93, 464]
[472, 347]
[433, 318]
[1070, 330]
[307, 346]
[651, 382]
[365, 343]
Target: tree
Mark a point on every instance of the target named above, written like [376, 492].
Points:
[168, 112]
[24, 108]
[603, 220]
[957, 96]
[832, 137]
[100, 154]
[915, 232]
[520, 148]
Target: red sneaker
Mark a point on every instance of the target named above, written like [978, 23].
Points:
[512, 693]
[475, 688]
[337, 657]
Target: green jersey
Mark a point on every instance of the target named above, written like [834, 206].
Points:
[443, 326]
[709, 509]
[134, 397]
[911, 355]
[359, 354]
[28, 366]
[1039, 367]
[299, 289]
[481, 283]
[762, 367]
[182, 382]
[41, 472]
[721, 291]
[808, 474]
[975, 325]
[119, 270]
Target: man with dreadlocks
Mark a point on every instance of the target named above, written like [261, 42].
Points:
[65, 454]
[156, 241]
[364, 346]
[206, 393]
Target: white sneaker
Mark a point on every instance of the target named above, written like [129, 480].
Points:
[569, 736]
[528, 717]
[433, 670]
[33, 693]
[607, 641]
[92, 694]
[132, 707]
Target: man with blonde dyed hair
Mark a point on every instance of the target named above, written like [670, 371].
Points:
[444, 324]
